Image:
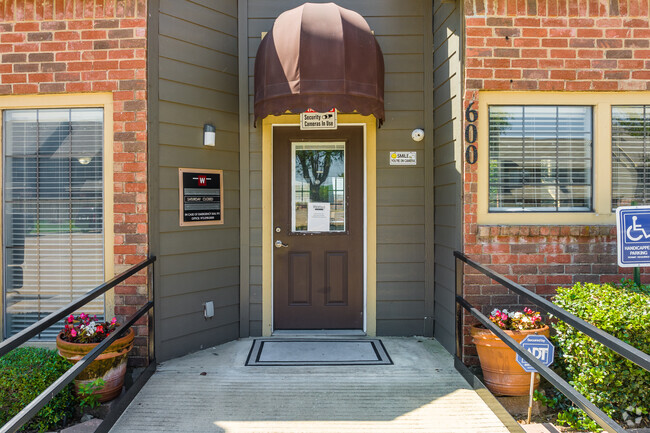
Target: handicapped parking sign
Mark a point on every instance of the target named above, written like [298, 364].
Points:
[540, 348]
[633, 236]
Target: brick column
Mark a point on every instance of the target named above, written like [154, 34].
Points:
[77, 46]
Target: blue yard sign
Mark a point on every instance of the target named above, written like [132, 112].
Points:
[633, 236]
[540, 348]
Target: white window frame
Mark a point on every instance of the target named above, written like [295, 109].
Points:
[315, 145]
[66, 101]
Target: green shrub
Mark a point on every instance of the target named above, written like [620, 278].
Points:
[86, 393]
[617, 386]
[25, 373]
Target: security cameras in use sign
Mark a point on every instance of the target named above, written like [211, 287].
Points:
[311, 120]
[633, 236]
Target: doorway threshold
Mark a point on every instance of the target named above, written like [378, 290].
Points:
[318, 333]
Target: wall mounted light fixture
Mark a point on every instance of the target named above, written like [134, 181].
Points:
[209, 134]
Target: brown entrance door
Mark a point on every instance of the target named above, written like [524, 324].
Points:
[318, 228]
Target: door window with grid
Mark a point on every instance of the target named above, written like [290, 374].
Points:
[53, 228]
[630, 155]
[318, 184]
[540, 158]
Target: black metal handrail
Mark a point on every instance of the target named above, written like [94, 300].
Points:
[622, 348]
[11, 343]
[39, 402]
[640, 358]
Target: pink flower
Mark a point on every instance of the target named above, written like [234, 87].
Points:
[73, 333]
[71, 318]
[113, 321]
[525, 319]
[83, 316]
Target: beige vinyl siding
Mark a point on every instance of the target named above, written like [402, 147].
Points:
[448, 162]
[399, 26]
[196, 61]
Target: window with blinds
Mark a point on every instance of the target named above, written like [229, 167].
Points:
[540, 158]
[53, 231]
[630, 155]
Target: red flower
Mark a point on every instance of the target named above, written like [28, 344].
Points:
[99, 329]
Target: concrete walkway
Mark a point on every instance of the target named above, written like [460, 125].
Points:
[212, 391]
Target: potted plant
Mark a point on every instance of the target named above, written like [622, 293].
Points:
[80, 335]
[501, 372]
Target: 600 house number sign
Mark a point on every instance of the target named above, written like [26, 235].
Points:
[201, 196]
[471, 134]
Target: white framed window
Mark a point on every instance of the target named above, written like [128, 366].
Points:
[55, 242]
[561, 158]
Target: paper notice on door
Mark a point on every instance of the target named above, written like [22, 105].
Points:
[318, 217]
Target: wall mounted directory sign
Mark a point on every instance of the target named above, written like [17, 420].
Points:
[633, 236]
[201, 196]
[310, 120]
[403, 158]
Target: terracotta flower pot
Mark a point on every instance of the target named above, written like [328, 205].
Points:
[110, 365]
[501, 372]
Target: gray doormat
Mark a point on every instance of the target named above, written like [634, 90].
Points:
[318, 351]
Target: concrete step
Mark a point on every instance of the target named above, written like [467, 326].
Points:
[212, 391]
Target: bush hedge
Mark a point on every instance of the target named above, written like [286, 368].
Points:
[25, 373]
[617, 386]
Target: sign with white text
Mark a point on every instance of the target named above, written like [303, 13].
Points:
[633, 236]
[540, 348]
[200, 196]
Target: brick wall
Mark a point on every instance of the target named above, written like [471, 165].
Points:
[65, 46]
[538, 45]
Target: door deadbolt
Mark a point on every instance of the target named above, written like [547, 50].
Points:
[279, 244]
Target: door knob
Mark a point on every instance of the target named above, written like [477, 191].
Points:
[279, 244]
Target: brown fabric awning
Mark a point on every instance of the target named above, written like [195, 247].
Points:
[319, 56]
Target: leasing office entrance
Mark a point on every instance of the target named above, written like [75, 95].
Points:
[318, 228]
[321, 279]
[400, 224]
[319, 57]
